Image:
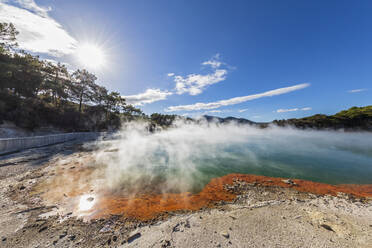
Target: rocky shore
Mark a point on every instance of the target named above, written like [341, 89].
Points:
[38, 209]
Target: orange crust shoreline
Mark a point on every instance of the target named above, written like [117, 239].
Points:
[147, 207]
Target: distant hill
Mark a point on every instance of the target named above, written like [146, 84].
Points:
[228, 119]
[355, 118]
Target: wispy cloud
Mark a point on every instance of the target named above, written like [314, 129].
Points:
[195, 84]
[306, 109]
[37, 31]
[149, 96]
[214, 62]
[171, 74]
[242, 110]
[292, 110]
[356, 90]
[32, 6]
[236, 100]
[214, 111]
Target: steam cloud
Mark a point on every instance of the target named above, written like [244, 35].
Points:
[185, 158]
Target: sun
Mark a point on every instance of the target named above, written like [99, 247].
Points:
[90, 56]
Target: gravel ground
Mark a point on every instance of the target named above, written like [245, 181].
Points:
[260, 216]
[319, 222]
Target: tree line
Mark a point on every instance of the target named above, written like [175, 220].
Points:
[35, 92]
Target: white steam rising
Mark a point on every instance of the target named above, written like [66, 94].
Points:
[188, 156]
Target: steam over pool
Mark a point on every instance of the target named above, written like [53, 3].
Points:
[187, 157]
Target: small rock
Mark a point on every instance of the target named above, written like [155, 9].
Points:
[114, 238]
[43, 228]
[72, 237]
[106, 228]
[61, 236]
[90, 199]
[176, 228]
[165, 243]
[327, 227]
[297, 217]
[3, 239]
[133, 237]
[22, 187]
[225, 234]
[287, 181]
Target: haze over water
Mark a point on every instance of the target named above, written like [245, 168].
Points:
[189, 156]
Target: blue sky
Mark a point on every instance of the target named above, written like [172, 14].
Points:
[283, 59]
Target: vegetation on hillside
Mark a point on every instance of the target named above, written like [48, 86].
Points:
[354, 118]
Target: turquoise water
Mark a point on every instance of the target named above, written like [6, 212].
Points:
[187, 158]
[333, 165]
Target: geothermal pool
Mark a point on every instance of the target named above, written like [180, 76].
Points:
[188, 157]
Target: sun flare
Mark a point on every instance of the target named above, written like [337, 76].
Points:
[91, 56]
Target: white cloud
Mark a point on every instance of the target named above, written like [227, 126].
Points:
[37, 31]
[306, 109]
[293, 110]
[194, 84]
[32, 6]
[242, 110]
[236, 100]
[286, 110]
[356, 90]
[171, 74]
[215, 111]
[149, 96]
[214, 62]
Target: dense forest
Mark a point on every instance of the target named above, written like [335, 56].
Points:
[35, 92]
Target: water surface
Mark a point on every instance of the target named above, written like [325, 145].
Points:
[188, 157]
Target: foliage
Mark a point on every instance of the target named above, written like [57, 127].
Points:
[8, 35]
[162, 120]
[34, 93]
[353, 118]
